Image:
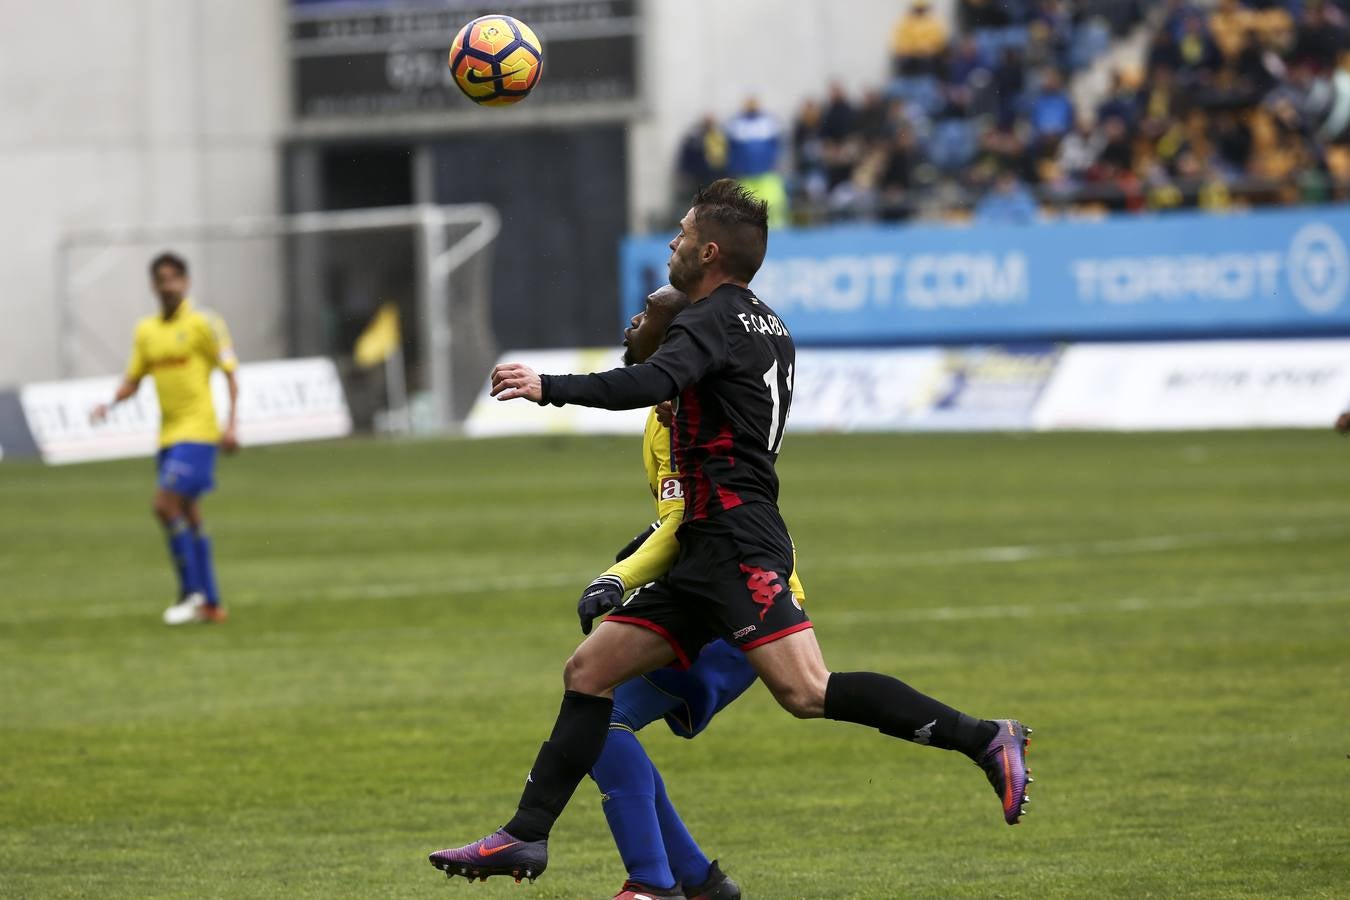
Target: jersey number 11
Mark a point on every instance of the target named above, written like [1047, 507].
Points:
[778, 417]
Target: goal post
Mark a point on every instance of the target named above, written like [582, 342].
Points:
[256, 272]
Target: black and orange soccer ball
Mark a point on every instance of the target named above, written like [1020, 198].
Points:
[496, 60]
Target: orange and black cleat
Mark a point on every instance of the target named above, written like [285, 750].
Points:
[497, 854]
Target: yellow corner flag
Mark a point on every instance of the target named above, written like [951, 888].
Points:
[380, 339]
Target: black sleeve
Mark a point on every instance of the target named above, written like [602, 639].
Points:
[627, 388]
[693, 347]
[695, 344]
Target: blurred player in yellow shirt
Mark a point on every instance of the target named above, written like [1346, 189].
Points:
[179, 348]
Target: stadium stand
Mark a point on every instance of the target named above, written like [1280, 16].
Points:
[1021, 109]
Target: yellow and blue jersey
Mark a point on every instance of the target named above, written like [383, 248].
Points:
[180, 353]
[656, 555]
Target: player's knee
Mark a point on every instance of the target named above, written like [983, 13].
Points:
[577, 674]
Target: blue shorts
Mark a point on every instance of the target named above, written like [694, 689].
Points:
[187, 469]
[687, 698]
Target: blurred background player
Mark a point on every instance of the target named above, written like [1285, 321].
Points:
[180, 348]
[659, 853]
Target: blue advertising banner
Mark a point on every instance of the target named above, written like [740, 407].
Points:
[1279, 272]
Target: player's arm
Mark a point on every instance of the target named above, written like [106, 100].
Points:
[229, 440]
[656, 554]
[219, 352]
[686, 355]
[131, 382]
[628, 388]
[1343, 422]
[125, 391]
[654, 551]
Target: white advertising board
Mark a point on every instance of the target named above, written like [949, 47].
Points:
[280, 401]
[495, 418]
[1198, 385]
[902, 389]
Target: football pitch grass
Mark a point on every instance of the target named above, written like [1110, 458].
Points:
[1171, 613]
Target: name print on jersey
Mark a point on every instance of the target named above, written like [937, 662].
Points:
[763, 324]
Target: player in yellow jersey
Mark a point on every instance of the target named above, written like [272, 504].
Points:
[179, 348]
[655, 846]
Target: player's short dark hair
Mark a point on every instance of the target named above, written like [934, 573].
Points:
[168, 258]
[734, 219]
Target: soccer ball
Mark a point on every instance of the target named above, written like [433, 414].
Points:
[496, 60]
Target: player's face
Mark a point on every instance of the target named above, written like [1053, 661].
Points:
[645, 331]
[685, 270]
[170, 285]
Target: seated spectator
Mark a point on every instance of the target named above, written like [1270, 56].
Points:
[1233, 140]
[1007, 203]
[1122, 102]
[873, 121]
[1051, 110]
[1009, 81]
[982, 14]
[702, 158]
[1319, 41]
[1116, 152]
[839, 121]
[902, 159]
[1042, 51]
[1079, 150]
[808, 152]
[1163, 51]
[962, 61]
[1229, 24]
[1197, 52]
[1157, 102]
[918, 41]
[1000, 149]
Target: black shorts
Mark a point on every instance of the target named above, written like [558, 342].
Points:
[730, 581]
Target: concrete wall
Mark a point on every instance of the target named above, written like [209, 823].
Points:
[708, 56]
[140, 112]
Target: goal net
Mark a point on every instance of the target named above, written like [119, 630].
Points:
[308, 285]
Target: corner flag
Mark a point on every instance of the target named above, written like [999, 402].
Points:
[380, 339]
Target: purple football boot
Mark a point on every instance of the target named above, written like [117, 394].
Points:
[1005, 765]
[496, 854]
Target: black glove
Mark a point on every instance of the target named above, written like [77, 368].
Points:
[632, 546]
[601, 596]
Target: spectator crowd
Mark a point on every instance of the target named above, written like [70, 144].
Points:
[1235, 103]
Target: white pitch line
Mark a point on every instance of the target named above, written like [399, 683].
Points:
[1158, 543]
[1077, 608]
[1002, 554]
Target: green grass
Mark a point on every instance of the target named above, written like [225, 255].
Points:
[1171, 613]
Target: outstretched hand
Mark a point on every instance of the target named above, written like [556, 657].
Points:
[511, 380]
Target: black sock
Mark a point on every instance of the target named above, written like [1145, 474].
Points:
[894, 708]
[563, 760]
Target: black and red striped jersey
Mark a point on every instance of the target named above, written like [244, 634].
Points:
[728, 362]
[733, 359]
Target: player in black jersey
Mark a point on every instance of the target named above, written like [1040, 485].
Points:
[728, 361]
